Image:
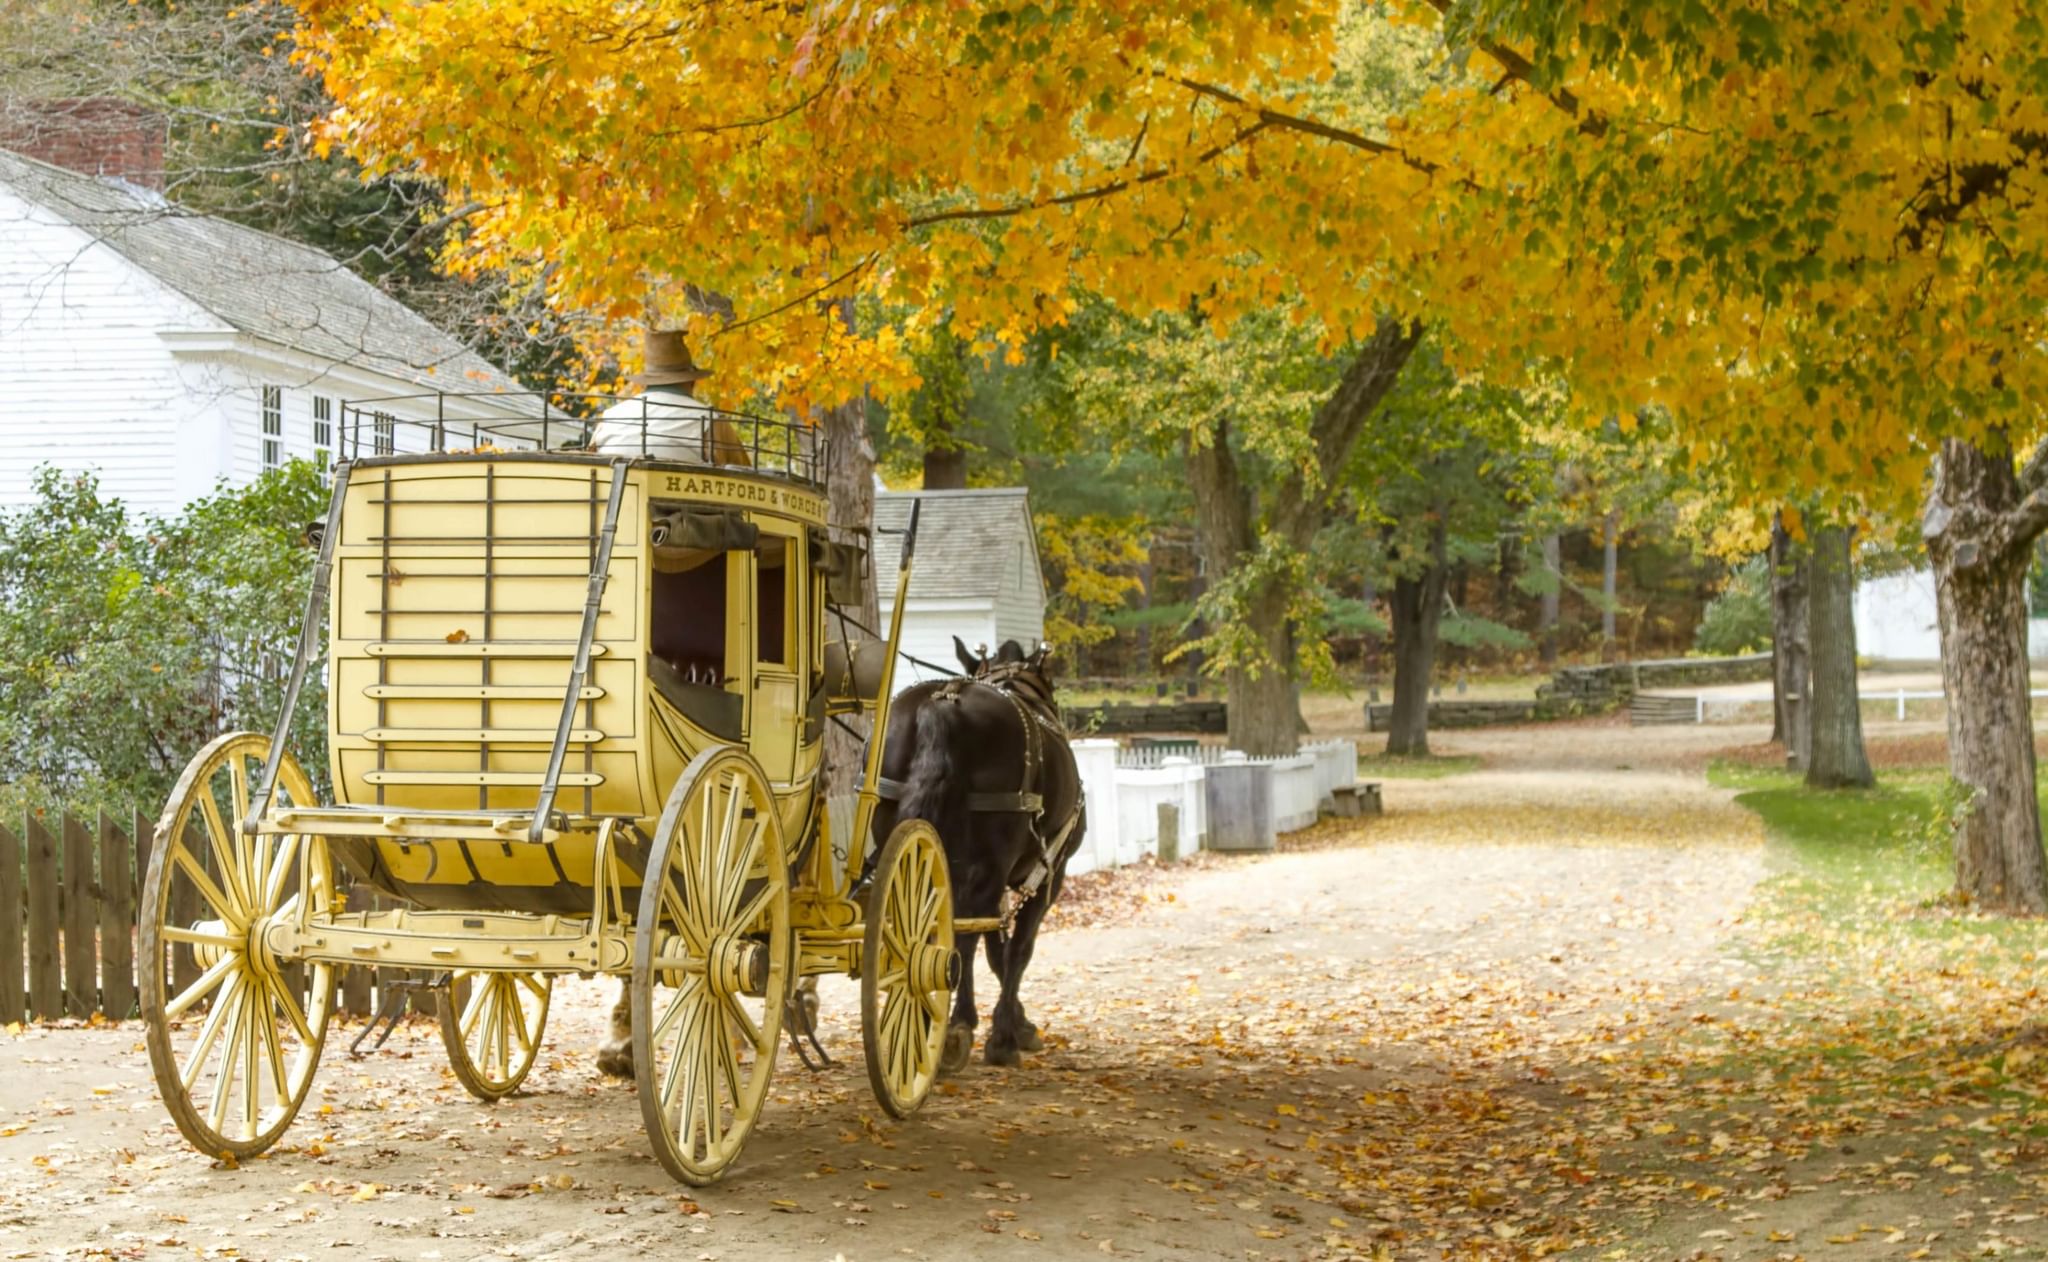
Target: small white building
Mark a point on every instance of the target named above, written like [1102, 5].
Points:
[1899, 622]
[975, 574]
[169, 351]
[1896, 618]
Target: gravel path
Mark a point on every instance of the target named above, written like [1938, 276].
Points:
[1222, 1057]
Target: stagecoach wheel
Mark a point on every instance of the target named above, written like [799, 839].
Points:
[711, 964]
[491, 1024]
[234, 1033]
[908, 967]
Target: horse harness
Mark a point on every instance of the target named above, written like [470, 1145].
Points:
[1038, 717]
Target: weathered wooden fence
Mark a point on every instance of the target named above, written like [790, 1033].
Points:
[69, 889]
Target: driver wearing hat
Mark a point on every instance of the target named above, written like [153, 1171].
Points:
[666, 421]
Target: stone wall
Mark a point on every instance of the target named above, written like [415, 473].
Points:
[1447, 714]
[1599, 687]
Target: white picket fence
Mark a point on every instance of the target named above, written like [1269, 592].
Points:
[1126, 787]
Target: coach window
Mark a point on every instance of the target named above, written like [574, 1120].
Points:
[773, 576]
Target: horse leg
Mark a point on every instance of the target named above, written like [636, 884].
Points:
[1007, 1025]
[616, 1056]
[959, 1047]
[1027, 1033]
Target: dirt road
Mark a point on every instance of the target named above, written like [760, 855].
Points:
[1366, 1044]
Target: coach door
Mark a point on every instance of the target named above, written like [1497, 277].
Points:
[776, 612]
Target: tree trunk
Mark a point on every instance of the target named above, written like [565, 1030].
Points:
[945, 469]
[1836, 759]
[1546, 618]
[1417, 608]
[1262, 717]
[1979, 534]
[1610, 554]
[1265, 718]
[1791, 648]
[850, 496]
[1265, 705]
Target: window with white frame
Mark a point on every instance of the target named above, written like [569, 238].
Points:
[273, 426]
[386, 428]
[323, 434]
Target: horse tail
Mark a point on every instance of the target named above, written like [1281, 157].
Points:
[936, 788]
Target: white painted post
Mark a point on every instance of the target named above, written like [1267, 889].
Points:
[1699, 708]
[1902, 705]
[1096, 761]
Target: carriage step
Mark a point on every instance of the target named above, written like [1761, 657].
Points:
[478, 692]
[476, 648]
[479, 735]
[486, 779]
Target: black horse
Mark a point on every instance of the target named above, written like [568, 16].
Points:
[951, 746]
[985, 760]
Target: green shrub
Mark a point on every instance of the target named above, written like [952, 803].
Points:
[1739, 619]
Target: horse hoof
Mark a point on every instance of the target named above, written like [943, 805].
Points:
[958, 1051]
[1028, 1040]
[1001, 1054]
[615, 1060]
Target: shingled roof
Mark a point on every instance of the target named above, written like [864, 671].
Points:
[964, 539]
[262, 285]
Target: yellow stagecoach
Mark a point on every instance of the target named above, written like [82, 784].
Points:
[576, 704]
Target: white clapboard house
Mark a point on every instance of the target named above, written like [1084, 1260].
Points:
[975, 573]
[168, 350]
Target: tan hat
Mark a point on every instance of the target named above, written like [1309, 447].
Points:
[668, 361]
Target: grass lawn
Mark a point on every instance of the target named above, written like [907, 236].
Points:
[1886, 1052]
[1429, 767]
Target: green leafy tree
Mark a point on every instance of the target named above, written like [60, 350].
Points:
[127, 643]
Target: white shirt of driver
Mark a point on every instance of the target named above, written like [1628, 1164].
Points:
[666, 423]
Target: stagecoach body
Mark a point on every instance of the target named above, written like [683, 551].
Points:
[459, 590]
[576, 705]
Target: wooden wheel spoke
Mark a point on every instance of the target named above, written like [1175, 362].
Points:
[684, 1064]
[891, 980]
[675, 1010]
[473, 1010]
[728, 1060]
[745, 1021]
[221, 842]
[216, 898]
[532, 986]
[289, 1004]
[200, 937]
[257, 856]
[744, 918]
[706, 1082]
[209, 1033]
[224, 1085]
[934, 1002]
[280, 868]
[238, 810]
[506, 1014]
[272, 1045]
[252, 1082]
[927, 914]
[238, 779]
[688, 924]
[721, 874]
[892, 941]
[520, 1028]
[198, 990]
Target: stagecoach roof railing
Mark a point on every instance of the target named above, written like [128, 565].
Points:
[447, 423]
